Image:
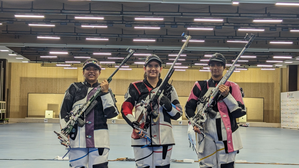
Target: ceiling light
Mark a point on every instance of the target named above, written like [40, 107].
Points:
[278, 65]
[70, 68]
[101, 53]
[145, 40]
[267, 69]
[4, 50]
[0, 23]
[208, 55]
[59, 52]
[208, 20]
[139, 63]
[170, 63]
[63, 65]
[172, 59]
[149, 19]
[48, 37]
[288, 62]
[195, 41]
[282, 57]
[251, 30]
[12, 54]
[204, 60]
[82, 57]
[204, 70]
[29, 16]
[235, 3]
[25, 61]
[248, 56]
[286, 4]
[94, 26]
[107, 62]
[241, 69]
[274, 61]
[141, 54]
[124, 66]
[179, 69]
[89, 17]
[296, 31]
[42, 25]
[236, 41]
[236, 71]
[73, 62]
[201, 64]
[116, 58]
[48, 56]
[125, 69]
[98, 39]
[267, 21]
[174, 55]
[199, 28]
[237, 65]
[264, 65]
[155, 28]
[19, 58]
[281, 42]
[241, 60]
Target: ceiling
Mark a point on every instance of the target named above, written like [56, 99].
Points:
[18, 36]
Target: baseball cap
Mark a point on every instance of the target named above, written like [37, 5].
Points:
[217, 57]
[92, 62]
[152, 57]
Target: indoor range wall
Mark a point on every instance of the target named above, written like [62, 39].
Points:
[32, 78]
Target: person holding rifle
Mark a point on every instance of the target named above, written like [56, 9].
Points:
[152, 137]
[89, 139]
[219, 140]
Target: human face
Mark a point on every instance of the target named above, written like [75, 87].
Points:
[152, 69]
[91, 74]
[216, 69]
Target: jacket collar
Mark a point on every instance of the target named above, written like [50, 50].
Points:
[148, 84]
[89, 85]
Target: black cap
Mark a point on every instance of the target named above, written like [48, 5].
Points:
[92, 62]
[217, 57]
[152, 57]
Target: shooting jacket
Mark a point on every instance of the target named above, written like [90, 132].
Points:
[94, 133]
[160, 131]
[228, 109]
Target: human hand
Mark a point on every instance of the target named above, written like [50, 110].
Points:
[224, 90]
[104, 86]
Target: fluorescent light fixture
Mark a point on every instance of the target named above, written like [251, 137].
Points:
[101, 53]
[125, 69]
[288, 62]
[200, 28]
[264, 65]
[82, 57]
[208, 55]
[144, 40]
[12, 54]
[201, 64]
[204, 60]
[98, 39]
[116, 58]
[4, 50]
[236, 41]
[29, 16]
[241, 60]
[89, 18]
[148, 19]
[296, 31]
[281, 42]
[48, 37]
[107, 62]
[274, 61]
[195, 41]
[248, 56]
[172, 59]
[59, 52]
[153, 28]
[286, 4]
[236, 71]
[204, 70]
[279, 65]
[208, 20]
[179, 69]
[63, 65]
[174, 55]
[267, 20]
[282, 57]
[241, 69]
[141, 54]
[139, 63]
[170, 63]
[251, 30]
[94, 26]
[48, 56]
[70, 68]
[42, 25]
[25, 61]
[19, 58]
[235, 3]
[73, 62]
[124, 66]
[237, 65]
[268, 69]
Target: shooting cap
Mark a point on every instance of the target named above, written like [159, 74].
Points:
[152, 57]
[92, 62]
[217, 57]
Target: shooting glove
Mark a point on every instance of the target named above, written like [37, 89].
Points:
[165, 103]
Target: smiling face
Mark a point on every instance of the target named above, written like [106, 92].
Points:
[152, 69]
[216, 69]
[91, 74]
